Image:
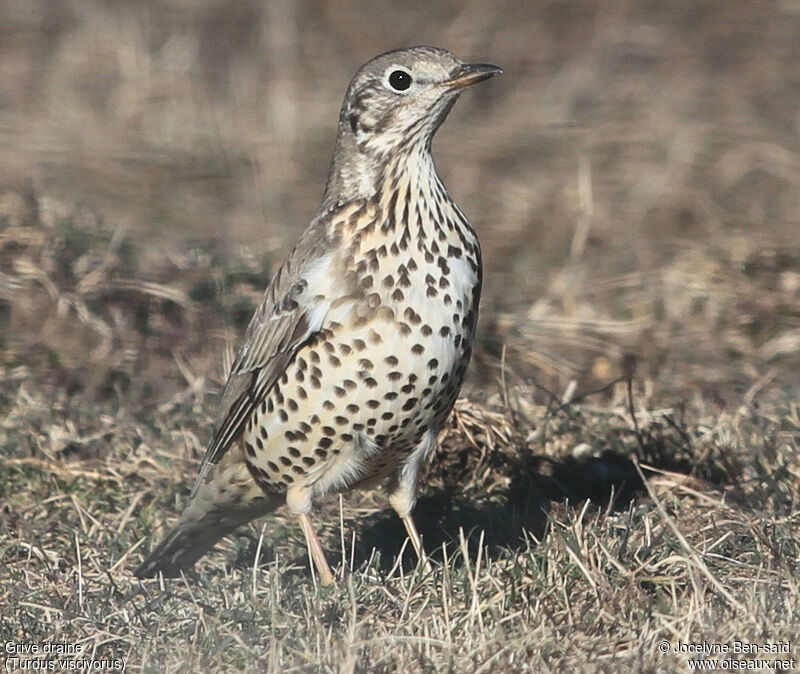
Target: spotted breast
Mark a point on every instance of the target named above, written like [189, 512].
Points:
[383, 374]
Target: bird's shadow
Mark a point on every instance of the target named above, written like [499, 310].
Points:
[505, 518]
[502, 513]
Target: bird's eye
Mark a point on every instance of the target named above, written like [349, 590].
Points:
[400, 80]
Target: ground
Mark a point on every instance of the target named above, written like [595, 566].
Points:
[622, 471]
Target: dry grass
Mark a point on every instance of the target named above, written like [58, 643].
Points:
[548, 550]
[635, 178]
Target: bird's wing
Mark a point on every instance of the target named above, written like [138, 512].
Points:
[292, 310]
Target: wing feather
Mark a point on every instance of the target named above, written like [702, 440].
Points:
[291, 312]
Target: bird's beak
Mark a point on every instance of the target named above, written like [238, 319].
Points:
[471, 73]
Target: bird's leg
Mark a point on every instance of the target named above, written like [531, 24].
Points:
[315, 550]
[403, 491]
[414, 536]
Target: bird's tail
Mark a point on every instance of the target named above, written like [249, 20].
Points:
[220, 505]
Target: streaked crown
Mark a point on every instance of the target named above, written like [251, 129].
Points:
[401, 97]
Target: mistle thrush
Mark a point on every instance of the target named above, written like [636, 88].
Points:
[355, 356]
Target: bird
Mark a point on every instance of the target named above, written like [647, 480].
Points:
[355, 356]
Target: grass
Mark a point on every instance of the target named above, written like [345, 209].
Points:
[622, 469]
[549, 550]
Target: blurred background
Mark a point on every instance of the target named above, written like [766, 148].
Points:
[634, 177]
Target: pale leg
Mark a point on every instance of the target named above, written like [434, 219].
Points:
[403, 491]
[315, 550]
[414, 536]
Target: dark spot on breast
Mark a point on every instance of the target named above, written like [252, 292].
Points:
[418, 349]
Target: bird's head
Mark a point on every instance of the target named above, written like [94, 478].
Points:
[399, 99]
